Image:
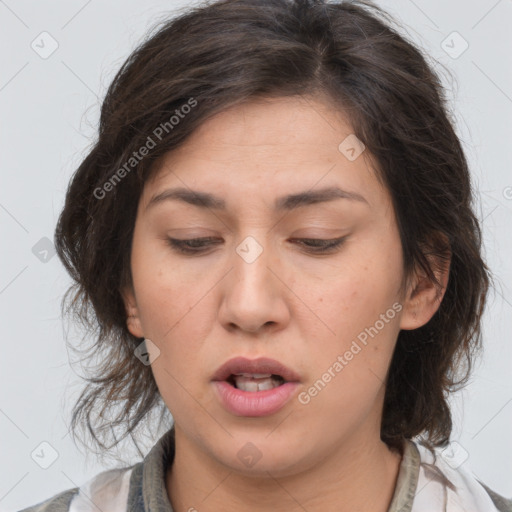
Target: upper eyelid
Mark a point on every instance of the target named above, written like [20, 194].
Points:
[329, 243]
[213, 238]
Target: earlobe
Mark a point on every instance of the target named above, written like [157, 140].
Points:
[424, 296]
[133, 320]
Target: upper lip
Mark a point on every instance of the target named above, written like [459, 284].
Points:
[260, 365]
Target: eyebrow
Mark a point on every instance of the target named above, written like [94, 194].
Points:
[288, 202]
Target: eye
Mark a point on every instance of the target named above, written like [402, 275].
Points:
[192, 245]
[318, 245]
[200, 245]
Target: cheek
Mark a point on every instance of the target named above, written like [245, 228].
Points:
[162, 292]
[178, 322]
[359, 310]
[175, 315]
[347, 375]
[359, 335]
[176, 312]
[352, 298]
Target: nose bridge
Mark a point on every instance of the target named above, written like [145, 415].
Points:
[251, 261]
[251, 248]
[252, 297]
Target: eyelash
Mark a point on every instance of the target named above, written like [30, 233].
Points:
[183, 246]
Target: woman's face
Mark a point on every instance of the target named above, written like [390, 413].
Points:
[258, 289]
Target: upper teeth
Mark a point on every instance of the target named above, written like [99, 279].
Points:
[255, 375]
[256, 381]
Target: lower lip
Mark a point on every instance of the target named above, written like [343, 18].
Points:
[258, 403]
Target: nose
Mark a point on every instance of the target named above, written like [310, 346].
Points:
[254, 293]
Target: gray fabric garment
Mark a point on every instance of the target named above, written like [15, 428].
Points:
[147, 491]
[59, 502]
[501, 503]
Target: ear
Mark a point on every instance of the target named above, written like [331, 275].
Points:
[133, 321]
[424, 296]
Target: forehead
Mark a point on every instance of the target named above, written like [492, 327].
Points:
[266, 148]
[275, 122]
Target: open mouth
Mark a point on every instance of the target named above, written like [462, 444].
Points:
[254, 382]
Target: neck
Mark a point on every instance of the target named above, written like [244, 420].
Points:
[357, 475]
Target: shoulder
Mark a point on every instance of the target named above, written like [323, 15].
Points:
[134, 488]
[58, 503]
[108, 490]
[501, 503]
[447, 479]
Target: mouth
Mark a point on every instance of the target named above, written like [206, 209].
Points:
[254, 382]
[255, 374]
[257, 387]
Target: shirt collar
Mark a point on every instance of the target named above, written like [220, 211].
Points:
[156, 463]
[407, 480]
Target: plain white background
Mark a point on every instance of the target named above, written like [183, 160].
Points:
[49, 109]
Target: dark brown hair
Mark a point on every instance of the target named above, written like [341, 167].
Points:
[219, 55]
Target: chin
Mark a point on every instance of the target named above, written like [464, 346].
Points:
[259, 455]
